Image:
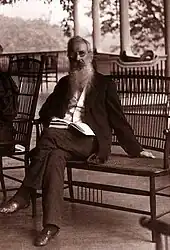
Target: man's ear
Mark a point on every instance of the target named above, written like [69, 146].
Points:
[90, 54]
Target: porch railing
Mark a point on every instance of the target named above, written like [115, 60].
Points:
[56, 62]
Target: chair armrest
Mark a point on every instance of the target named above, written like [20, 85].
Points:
[166, 131]
[39, 128]
[36, 121]
[20, 120]
[167, 149]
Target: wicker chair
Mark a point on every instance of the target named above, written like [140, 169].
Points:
[28, 75]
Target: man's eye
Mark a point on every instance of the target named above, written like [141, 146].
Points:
[82, 53]
[74, 55]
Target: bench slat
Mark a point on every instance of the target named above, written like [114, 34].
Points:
[122, 164]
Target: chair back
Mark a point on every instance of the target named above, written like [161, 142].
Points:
[145, 101]
[27, 73]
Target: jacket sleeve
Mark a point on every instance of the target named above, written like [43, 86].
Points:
[48, 109]
[8, 97]
[119, 123]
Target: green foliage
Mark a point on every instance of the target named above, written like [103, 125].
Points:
[109, 16]
[147, 24]
[14, 1]
[67, 23]
[146, 21]
[32, 35]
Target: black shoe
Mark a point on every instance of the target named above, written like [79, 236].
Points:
[46, 235]
[12, 206]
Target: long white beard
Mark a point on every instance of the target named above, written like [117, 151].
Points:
[79, 79]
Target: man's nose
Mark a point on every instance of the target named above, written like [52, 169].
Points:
[77, 56]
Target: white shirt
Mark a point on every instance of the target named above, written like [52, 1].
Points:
[74, 114]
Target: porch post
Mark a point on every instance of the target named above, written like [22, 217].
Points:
[167, 35]
[125, 39]
[96, 25]
[76, 17]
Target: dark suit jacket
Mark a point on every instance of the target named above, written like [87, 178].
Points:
[103, 113]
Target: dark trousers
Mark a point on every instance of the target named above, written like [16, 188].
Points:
[48, 162]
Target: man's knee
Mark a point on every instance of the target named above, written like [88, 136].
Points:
[59, 155]
[48, 132]
[47, 138]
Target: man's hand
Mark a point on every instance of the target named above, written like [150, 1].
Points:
[146, 154]
[94, 159]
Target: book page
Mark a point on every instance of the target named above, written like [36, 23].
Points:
[59, 120]
[82, 127]
[59, 123]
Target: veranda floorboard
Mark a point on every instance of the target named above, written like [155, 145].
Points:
[83, 228]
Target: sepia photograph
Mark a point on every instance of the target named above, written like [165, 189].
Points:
[85, 124]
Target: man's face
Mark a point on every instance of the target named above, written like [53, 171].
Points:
[79, 56]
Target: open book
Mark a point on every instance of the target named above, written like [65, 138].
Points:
[80, 126]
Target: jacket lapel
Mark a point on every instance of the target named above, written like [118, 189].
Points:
[92, 94]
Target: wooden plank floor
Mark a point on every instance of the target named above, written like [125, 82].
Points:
[83, 228]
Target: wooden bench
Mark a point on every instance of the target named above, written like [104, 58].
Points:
[145, 101]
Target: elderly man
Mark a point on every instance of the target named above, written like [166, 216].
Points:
[83, 96]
